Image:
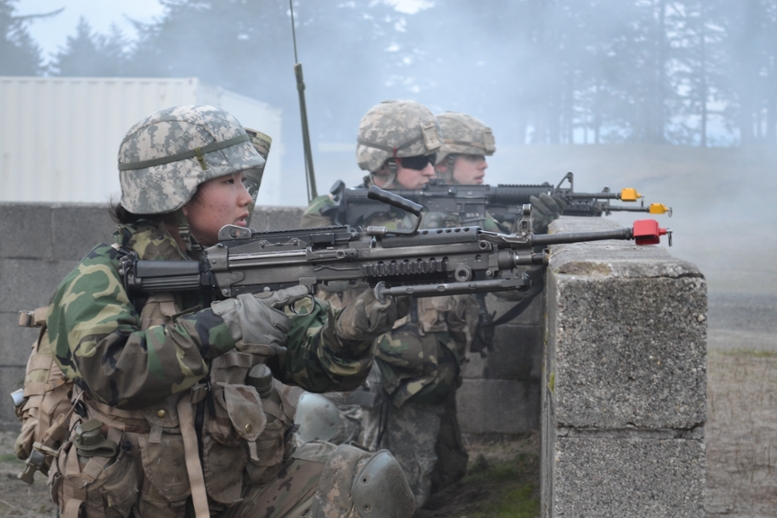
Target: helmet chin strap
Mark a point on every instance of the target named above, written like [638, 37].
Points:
[189, 241]
[450, 163]
[387, 179]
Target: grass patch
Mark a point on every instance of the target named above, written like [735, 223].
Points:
[517, 496]
[9, 457]
[520, 503]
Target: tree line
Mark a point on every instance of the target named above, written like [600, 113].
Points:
[684, 72]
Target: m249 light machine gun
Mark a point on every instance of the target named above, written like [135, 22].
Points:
[503, 202]
[413, 262]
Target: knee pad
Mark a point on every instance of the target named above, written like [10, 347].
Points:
[318, 418]
[370, 484]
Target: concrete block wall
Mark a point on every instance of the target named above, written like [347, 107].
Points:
[501, 388]
[39, 245]
[624, 381]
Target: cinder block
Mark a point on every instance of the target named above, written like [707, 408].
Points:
[517, 353]
[26, 230]
[15, 341]
[497, 406]
[475, 366]
[533, 314]
[276, 218]
[77, 228]
[629, 352]
[624, 382]
[626, 476]
[28, 284]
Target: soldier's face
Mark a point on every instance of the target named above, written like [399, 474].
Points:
[220, 201]
[414, 179]
[469, 169]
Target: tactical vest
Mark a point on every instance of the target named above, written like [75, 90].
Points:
[211, 439]
[45, 409]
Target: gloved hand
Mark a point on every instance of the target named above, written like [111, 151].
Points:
[545, 209]
[365, 318]
[257, 322]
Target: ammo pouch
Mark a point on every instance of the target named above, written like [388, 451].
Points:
[45, 408]
[212, 439]
[94, 474]
[245, 426]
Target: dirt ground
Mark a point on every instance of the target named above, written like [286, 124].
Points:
[503, 478]
[741, 436]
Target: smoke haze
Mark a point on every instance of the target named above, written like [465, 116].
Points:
[675, 98]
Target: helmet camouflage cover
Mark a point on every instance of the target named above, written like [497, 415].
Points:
[396, 129]
[166, 156]
[464, 135]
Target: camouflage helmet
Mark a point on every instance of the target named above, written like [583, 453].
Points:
[464, 135]
[166, 156]
[396, 129]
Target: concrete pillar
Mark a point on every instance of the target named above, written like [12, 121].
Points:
[624, 380]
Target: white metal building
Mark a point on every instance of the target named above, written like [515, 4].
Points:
[60, 136]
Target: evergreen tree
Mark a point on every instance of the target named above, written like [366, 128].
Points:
[247, 47]
[90, 54]
[19, 54]
[751, 27]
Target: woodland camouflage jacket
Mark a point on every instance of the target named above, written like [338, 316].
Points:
[421, 357]
[95, 333]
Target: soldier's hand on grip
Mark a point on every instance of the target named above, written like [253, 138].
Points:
[366, 318]
[258, 323]
[545, 209]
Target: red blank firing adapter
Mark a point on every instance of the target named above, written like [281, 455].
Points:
[647, 232]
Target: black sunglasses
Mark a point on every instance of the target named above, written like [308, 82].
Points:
[418, 162]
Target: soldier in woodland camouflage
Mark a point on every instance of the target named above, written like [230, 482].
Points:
[418, 363]
[179, 402]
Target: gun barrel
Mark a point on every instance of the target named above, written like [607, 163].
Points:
[621, 208]
[578, 237]
[593, 195]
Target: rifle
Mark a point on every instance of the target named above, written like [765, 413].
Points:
[414, 262]
[470, 202]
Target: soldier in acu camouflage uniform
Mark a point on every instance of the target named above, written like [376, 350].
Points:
[462, 160]
[466, 144]
[179, 406]
[418, 363]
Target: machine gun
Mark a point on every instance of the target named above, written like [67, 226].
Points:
[470, 202]
[413, 262]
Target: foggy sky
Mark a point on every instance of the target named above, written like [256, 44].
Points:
[511, 72]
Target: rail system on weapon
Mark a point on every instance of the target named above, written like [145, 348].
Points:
[502, 202]
[412, 262]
